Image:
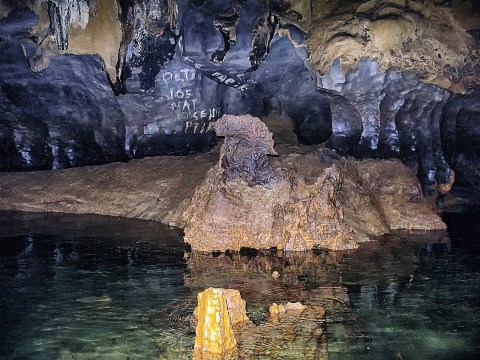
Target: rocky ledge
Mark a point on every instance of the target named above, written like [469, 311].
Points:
[314, 200]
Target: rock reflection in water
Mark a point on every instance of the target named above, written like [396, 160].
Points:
[318, 278]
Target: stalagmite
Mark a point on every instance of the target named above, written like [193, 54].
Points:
[214, 332]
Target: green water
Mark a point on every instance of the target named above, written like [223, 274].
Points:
[89, 287]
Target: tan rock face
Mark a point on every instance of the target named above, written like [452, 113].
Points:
[284, 210]
[396, 193]
[103, 20]
[300, 206]
[98, 31]
[435, 41]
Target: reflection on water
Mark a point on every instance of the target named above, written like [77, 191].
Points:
[88, 287]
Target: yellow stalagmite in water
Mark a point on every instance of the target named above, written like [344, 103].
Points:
[214, 333]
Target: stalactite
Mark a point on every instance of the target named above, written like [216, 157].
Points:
[63, 14]
[126, 16]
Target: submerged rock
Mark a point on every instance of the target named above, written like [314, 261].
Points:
[214, 333]
[294, 330]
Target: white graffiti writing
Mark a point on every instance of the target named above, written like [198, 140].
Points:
[202, 120]
[185, 105]
[182, 75]
[236, 81]
[178, 94]
[230, 81]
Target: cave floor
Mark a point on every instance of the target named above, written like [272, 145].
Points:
[143, 188]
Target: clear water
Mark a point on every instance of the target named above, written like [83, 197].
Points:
[89, 287]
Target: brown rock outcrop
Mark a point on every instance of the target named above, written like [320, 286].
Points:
[397, 196]
[245, 202]
[244, 152]
[298, 332]
[292, 330]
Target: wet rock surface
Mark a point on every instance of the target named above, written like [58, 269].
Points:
[291, 328]
[150, 189]
[395, 115]
[298, 208]
[229, 212]
[435, 39]
[214, 333]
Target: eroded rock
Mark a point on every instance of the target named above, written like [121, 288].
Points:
[244, 152]
[299, 206]
[283, 210]
[397, 195]
[432, 40]
[298, 331]
[291, 329]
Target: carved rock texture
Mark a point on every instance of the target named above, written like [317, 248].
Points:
[375, 78]
[293, 329]
[298, 332]
[394, 114]
[397, 195]
[302, 209]
[244, 152]
[66, 13]
[57, 118]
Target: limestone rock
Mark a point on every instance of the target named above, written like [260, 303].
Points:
[298, 331]
[214, 333]
[293, 335]
[409, 35]
[398, 196]
[244, 152]
[276, 310]
[56, 118]
[245, 202]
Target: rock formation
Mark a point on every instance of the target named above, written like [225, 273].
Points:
[245, 202]
[374, 78]
[292, 328]
[214, 333]
[243, 154]
[406, 35]
[299, 332]
[48, 122]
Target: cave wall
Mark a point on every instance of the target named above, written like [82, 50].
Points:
[64, 116]
[90, 82]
